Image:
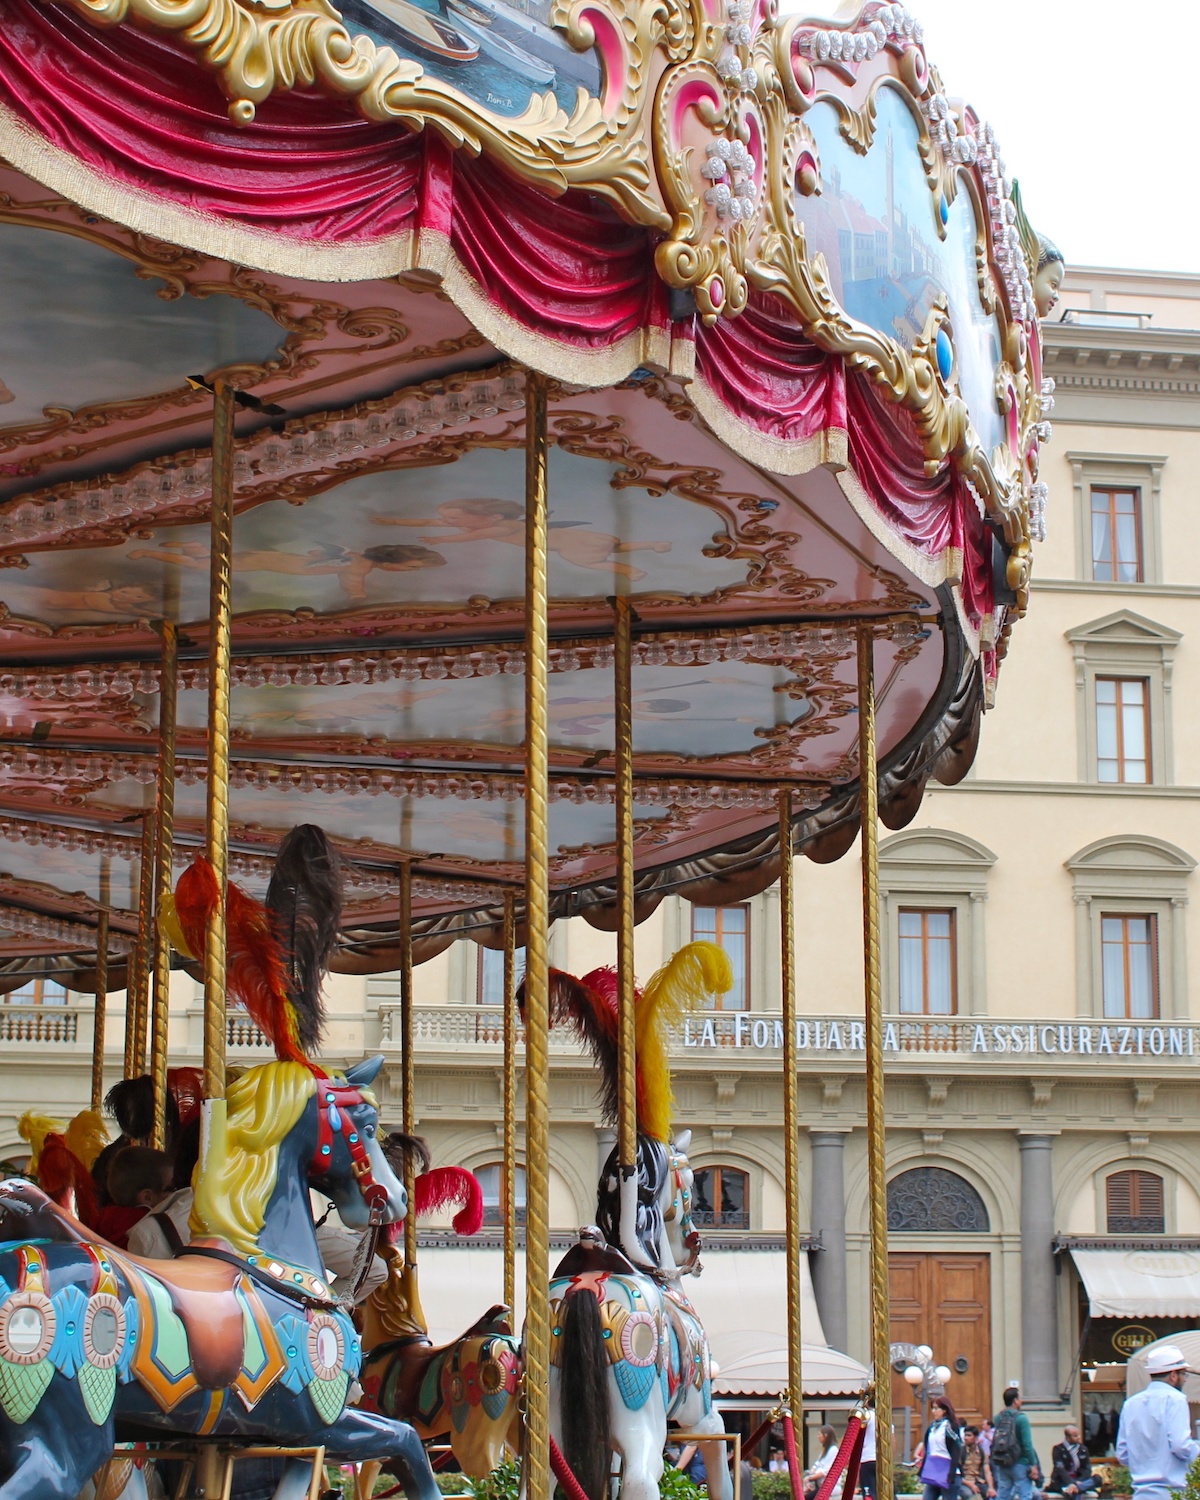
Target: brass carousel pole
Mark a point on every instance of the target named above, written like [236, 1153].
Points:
[509, 1193]
[408, 1073]
[137, 1002]
[216, 817]
[160, 1013]
[537, 959]
[100, 1015]
[626, 1016]
[791, 1106]
[868, 773]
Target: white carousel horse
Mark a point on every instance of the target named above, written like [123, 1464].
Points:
[628, 1353]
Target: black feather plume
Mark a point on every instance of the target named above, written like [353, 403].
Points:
[305, 902]
[588, 1007]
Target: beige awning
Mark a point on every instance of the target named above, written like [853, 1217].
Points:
[1140, 1283]
[741, 1299]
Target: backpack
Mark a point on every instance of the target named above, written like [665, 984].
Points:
[1006, 1445]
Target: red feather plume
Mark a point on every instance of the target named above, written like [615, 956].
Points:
[65, 1179]
[440, 1187]
[255, 970]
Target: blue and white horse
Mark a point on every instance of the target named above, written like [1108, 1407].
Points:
[628, 1353]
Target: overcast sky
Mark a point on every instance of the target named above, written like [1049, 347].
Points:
[1095, 107]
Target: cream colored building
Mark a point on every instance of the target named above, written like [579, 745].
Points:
[1043, 1043]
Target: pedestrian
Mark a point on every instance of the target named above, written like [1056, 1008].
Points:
[1072, 1473]
[939, 1453]
[1013, 1460]
[822, 1464]
[1154, 1439]
[976, 1470]
[867, 1471]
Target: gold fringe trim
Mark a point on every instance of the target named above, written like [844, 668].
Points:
[146, 213]
[788, 457]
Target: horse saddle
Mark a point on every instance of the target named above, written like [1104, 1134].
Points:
[590, 1259]
[204, 1297]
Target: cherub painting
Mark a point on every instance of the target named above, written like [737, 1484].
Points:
[493, 520]
[351, 569]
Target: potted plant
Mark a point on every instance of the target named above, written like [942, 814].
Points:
[1120, 1482]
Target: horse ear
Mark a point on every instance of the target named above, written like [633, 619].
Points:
[362, 1075]
[683, 1142]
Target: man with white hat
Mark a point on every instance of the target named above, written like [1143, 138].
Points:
[1155, 1442]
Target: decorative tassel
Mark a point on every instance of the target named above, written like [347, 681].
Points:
[304, 899]
[254, 966]
[440, 1187]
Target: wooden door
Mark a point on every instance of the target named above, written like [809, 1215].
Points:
[944, 1300]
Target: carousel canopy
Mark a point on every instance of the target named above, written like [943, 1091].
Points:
[786, 304]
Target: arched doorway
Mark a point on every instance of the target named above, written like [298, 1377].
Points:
[941, 1297]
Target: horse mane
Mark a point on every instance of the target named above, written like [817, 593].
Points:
[240, 1166]
[653, 1165]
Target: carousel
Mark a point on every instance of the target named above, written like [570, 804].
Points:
[464, 465]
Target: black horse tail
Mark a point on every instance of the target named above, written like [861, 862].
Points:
[587, 1438]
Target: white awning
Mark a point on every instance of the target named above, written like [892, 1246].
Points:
[1188, 1344]
[741, 1299]
[1140, 1283]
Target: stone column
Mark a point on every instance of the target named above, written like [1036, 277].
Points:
[829, 1221]
[1039, 1303]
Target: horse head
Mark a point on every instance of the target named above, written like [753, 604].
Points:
[348, 1163]
[682, 1234]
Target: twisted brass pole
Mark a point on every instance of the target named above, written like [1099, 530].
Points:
[160, 1014]
[100, 1015]
[138, 1000]
[868, 781]
[791, 1105]
[508, 1195]
[626, 1015]
[537, 958]
[216, 817]
[408, 1072]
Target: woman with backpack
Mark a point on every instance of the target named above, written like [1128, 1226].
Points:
[940, 1451]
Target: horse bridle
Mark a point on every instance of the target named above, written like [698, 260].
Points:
[681, 1206]
[334, 1103]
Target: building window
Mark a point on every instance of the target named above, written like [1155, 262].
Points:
[1117, 552]
[38, 992]
[928, 964]
[719, 1198]
[1129, 966]
[1123, 730]
[1135, 1203]
[932, 1200]
[1118, 531]
[489, 980]
[729, 928]
[491, 1181]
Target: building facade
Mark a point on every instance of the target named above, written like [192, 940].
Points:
[1042, 1041]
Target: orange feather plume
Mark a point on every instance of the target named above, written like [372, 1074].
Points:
[254, 967]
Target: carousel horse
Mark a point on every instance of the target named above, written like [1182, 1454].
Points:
[238, 1338]
[465, 1391]
[628, 1353]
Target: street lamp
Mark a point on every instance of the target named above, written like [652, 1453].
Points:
[915, 1364]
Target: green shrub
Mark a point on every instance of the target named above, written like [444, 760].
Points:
[1120, 1481]
[503, 1483]
[908, 1482]
[675, 1485]
[768, 1486]
[452, 1484]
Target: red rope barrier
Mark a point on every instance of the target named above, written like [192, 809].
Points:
[795, 1468]
[564, 1474]
[757, 1435]
[848, 1456]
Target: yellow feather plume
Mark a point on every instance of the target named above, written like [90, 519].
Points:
[694, 975]
[87, 1136]
[34, 1128]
